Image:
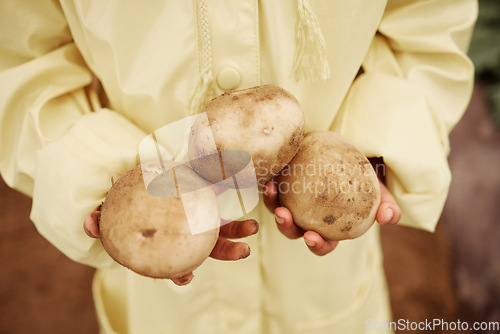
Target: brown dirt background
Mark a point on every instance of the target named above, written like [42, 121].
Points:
[451, 274]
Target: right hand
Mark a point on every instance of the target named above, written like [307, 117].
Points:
[284, 221]
[224, 248]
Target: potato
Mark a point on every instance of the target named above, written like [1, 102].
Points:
[151, 235]
[330, 187]
[265, 121]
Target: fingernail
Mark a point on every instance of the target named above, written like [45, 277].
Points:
[186, 280]
[310, 243]
[255, 227]
[279, 220]
[266, 192]
[388, 215]
[245, 252]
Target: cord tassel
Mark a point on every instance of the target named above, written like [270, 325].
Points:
[310, 63]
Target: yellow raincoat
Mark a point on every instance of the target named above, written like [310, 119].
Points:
[61, 145]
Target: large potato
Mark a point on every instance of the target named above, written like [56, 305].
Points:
[151, 235]
[265, 121]
[330, 187]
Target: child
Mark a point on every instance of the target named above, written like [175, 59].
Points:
[392, 76]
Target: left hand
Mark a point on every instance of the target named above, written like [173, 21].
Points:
[388, 213]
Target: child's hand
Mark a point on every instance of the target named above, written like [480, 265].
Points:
[388, 213]
[224, 248]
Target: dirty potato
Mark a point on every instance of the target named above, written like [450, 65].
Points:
[151, 235]
[330, 187]
[265, 121]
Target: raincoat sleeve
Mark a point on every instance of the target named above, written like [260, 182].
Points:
[56, 143]
[416, 84]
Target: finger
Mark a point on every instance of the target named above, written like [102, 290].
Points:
[271, 196]
[285, 223]
[183, 280]
[317, 244]
[388, 212]
[91, 225]
[227, 250]
[239, 229]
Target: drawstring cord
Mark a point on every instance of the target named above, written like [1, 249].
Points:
[203, 91]
[310, 61]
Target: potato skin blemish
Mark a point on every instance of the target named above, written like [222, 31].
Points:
[329, 219]
[148, 233]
